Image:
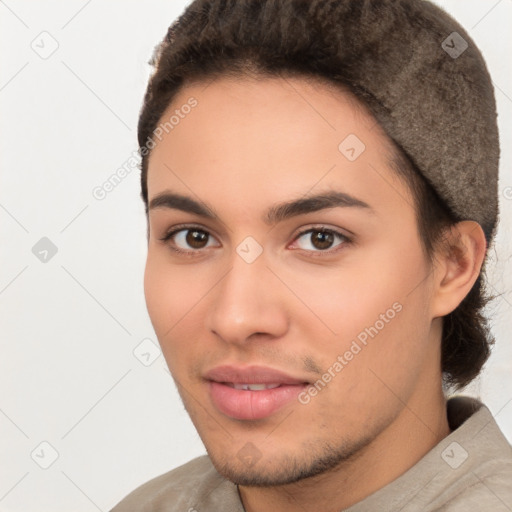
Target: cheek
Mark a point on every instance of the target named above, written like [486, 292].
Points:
[173, 295]
[383, 356]
[346, 301]
[372, 372]
[372, 312]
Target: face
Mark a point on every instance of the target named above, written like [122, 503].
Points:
[285, 278]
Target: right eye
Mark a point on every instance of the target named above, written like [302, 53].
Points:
[188, 240]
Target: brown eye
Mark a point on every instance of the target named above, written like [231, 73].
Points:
[188, 239]
[196, 238]
[320, 240]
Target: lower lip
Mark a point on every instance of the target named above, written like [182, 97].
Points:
[252, 405]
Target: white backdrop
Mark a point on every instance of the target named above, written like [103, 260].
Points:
[85, 417]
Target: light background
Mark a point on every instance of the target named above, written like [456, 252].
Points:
[68, 374]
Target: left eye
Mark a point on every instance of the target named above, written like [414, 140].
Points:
[320, 239]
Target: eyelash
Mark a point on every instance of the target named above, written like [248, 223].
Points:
[319, 253]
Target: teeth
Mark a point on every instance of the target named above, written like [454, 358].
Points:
[253, 387]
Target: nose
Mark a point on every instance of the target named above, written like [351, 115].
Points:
[248, 303]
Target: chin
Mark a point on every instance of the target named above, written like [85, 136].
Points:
[268, 470]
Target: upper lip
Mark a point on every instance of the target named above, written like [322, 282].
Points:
[251, 375]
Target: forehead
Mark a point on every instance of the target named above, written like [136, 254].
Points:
[264, 137]
[304, 106]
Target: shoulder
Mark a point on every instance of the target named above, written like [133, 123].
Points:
[480, 463]
[488, 487]
[179, 489]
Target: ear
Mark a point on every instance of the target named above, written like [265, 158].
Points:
[457, 266]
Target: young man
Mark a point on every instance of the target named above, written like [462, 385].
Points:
[320, 180]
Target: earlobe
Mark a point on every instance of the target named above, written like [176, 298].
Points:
[458, 265]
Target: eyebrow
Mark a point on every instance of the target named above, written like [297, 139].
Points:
[276, 213]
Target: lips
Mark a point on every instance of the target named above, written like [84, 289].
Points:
[251, 393]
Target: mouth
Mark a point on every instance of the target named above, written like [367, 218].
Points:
[252, 393]
[251, 387]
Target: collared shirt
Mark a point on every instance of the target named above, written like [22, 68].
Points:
[469, 470]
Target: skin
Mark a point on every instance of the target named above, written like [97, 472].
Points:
[247, 145]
